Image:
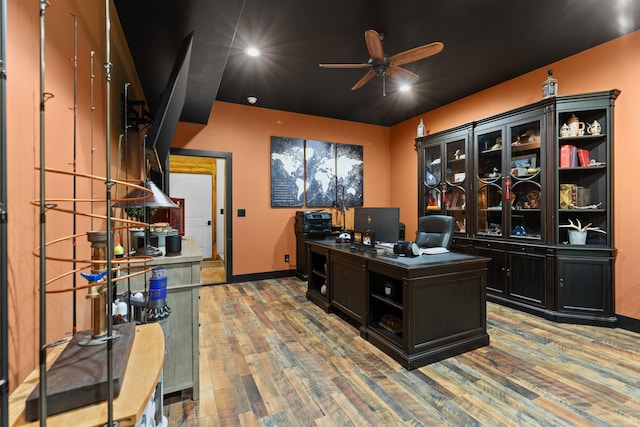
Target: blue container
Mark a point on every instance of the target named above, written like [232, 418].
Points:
[157, 289]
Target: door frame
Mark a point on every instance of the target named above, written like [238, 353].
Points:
[228, 235]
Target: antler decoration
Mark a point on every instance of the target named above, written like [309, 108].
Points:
[579, 227]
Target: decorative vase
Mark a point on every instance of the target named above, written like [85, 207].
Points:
[577, 237]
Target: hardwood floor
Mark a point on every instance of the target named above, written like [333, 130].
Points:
[268, 357]
[212, 272]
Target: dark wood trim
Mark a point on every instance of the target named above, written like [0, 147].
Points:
[628, 323]
[228, 174]
[262, 276]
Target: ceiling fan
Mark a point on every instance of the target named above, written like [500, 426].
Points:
[382, 65]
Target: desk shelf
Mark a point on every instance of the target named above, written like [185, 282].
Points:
[317, 277]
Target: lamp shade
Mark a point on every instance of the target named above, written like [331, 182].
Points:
[143, 199]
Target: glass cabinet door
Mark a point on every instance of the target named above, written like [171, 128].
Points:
[523, 183]
[584, 175]
[489, 177]
[432, 179]
[455, 199]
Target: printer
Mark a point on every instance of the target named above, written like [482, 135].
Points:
[313, 223]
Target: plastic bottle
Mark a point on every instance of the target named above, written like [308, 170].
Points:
[550, 86]
[421, 128]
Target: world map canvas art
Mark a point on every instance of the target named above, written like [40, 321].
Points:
[320, 161]
[287, 171]
[315, 173]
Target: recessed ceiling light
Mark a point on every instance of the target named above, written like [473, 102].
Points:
[405, 88]
[252, 51]
[252, 99]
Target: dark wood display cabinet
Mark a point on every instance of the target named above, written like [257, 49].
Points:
[535, 170]
[510, 210]
[584, 189]
[444, 181]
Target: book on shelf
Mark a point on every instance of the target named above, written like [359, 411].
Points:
[566, 195]
[567, 153]
[573, 162]
[580, 196]
[583, 157]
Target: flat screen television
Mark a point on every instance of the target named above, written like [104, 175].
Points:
[157, 141]
[384, 222]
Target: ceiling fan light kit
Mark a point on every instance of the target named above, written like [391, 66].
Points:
[382, 65]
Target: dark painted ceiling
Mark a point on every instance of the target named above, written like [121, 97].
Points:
[486, 42]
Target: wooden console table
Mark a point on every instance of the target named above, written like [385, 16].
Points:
[182, 360]
[140, 379]
[417, 310]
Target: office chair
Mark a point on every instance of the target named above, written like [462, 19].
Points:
[435, 230]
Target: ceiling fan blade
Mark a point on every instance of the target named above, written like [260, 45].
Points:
[400, 73]
[345, 65]
[416, 54]
[374, 45]
[363, 80]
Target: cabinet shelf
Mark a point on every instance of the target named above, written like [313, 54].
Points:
[525, 147]
[584, 168]
[515, 236]
[582, 211]
[496, 151]
[526, 177]
[582, 137]
[526, 210]
[397, 338]
[386, 300]
[319, 273]
[317, 291]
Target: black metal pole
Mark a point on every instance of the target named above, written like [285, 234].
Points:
[107, 66]
[75, 168]
[93, 108]
[43, 296]
[4, 283]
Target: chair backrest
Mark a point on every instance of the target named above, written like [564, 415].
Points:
[435, 230]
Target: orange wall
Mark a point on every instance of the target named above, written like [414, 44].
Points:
[613, 65]
[265, 235]
[23, 156]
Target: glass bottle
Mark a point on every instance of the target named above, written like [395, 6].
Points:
[421, 128]
[550, 86]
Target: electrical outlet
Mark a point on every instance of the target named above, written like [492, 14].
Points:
[286, 258]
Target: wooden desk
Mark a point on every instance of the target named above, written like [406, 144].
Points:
[140, 379]
[437, 303]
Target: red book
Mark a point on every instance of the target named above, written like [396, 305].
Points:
[583, 157]
[565, 155]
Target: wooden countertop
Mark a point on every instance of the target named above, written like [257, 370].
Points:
[190, 253]
[141, 376]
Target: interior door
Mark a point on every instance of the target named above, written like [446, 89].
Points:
[196, 190]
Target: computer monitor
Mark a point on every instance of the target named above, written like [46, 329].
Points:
[384, 222]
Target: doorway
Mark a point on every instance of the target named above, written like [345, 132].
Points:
[207, 170]
[196, 190]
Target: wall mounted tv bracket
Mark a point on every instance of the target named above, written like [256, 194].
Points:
[134, 116]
